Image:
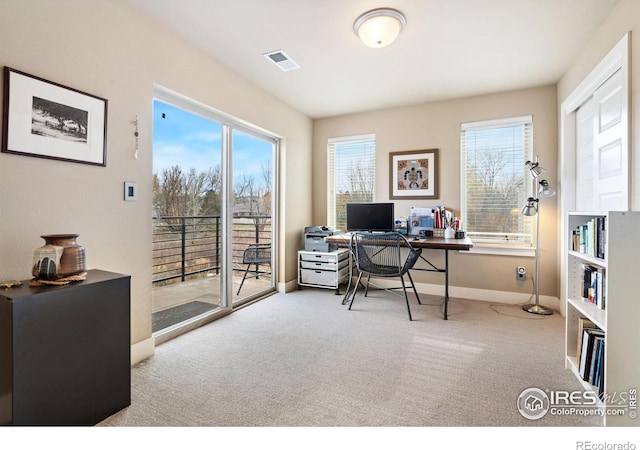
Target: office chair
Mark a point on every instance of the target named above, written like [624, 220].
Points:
[379, 255]
[258, 255]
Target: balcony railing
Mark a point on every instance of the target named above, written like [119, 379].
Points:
[187, 247]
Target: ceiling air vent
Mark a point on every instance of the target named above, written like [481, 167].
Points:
[282, 60]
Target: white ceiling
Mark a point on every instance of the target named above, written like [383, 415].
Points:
[449, 48]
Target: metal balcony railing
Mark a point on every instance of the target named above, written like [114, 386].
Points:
[188, 247]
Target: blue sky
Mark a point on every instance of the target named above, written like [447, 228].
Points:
[188, 140]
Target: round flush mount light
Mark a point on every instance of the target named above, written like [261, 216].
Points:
[379, 27]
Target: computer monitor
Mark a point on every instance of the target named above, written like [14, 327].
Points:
[370, 217]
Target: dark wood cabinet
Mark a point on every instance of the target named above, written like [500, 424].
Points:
[65, 351]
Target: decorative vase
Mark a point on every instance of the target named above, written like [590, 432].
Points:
[60, 257]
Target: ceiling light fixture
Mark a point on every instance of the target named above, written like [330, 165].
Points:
[379, 27]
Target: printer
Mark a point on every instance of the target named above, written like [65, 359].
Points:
[314, 239]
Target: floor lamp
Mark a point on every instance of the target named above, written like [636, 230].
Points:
[532, 208]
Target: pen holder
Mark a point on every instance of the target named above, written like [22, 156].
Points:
[449, 233]
[460, 234]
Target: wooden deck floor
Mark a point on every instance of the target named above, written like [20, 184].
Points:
[205, 290]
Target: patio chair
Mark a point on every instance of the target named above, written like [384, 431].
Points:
[258, 255]
[379, 255]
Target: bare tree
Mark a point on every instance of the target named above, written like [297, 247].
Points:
[360, 183]
[254, 196]
[494, 192]
[192, 194]
[168, 192]
[266, 194]
[212, 204]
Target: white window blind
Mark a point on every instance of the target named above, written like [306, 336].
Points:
[495, 181]
[351, 164]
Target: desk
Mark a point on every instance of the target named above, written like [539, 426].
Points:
[430, 243]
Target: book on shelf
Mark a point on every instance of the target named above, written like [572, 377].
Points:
[583, 323]
[590, 238]
[601, 237]
[587, 364]
[597, 340]
[599, 363]
[600, 373]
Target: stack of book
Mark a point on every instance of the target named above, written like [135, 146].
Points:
[590, 354]
[590, 238]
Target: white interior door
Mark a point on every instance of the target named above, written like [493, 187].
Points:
[602, 157]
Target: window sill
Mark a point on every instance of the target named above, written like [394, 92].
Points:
[484, 249]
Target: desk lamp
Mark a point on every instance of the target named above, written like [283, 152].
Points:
[532, 208]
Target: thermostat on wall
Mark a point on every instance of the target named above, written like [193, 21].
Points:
[130, 191]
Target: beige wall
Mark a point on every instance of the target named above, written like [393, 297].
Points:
[437, 125]
[109, 50]
[623, 19]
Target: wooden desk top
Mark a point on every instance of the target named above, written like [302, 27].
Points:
[415, 241]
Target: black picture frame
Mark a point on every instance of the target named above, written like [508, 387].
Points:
[48, 120]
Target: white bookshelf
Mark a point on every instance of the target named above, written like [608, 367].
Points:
[620, 317]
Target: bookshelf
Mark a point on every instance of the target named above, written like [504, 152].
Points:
[615, 309]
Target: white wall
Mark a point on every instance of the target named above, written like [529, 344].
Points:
[110, 50]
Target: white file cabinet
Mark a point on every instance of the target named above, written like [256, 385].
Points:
[323, 269]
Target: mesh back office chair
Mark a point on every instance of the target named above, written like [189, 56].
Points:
[258, 255]
[379, 255]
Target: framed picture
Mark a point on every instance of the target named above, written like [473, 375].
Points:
[413, 174]
[48, 120]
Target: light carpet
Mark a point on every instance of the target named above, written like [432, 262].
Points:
[303, 359]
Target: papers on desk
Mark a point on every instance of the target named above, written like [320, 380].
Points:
[430, 219]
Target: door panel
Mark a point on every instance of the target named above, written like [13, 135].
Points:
[611, 162]
[602, 163]
[252, 161]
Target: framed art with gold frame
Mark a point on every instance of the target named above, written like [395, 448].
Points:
[413, 174]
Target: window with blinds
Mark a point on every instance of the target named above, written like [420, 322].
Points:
[351, 168]
[495, 181]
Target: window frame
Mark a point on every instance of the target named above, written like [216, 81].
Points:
[332, 144]
[520, 243]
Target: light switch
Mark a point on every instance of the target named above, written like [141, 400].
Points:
[130, 191]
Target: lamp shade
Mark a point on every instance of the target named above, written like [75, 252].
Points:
[545, 190]
[530, 208]
[379, 27]
[534, 169]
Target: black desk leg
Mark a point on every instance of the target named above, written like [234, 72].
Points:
[345, 300]
[446, 282]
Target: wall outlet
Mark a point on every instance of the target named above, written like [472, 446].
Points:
[521, 273]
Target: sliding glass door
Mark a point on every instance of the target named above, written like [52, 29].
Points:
[213, 208]
[187, 216]
[252, 160]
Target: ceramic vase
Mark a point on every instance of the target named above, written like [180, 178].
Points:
[60, 257]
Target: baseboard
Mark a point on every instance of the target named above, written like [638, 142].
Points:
[289, 286]
[486, 295]
[142, 350]
[511, 298]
